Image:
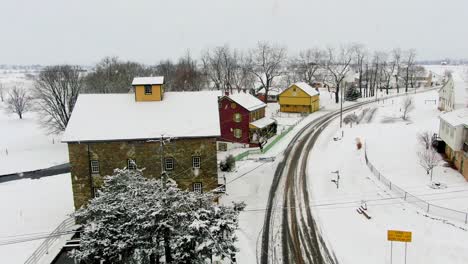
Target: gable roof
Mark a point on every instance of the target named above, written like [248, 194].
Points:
[304, 87]
[113, 117]
[247, 101]
[148, 80]
[307, 88]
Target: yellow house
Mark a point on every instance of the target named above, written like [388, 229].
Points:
[148, 88]
[299, 98]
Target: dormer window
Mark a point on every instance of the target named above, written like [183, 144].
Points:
[148, 90]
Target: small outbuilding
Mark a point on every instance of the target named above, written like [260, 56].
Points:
[300, 97]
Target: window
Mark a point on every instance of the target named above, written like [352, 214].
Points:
[131, 164]
[196, 162]
[148, 89]
[237, 117]
[237, 133]
[96, 191]
[94, 166]
[197, 187]
[222, 146]
[233, 105]
[169, 164]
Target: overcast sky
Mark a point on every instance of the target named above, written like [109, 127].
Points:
[84, 31]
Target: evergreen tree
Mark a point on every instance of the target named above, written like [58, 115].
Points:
[138, 220]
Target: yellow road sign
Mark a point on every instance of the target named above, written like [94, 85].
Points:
[402, 236]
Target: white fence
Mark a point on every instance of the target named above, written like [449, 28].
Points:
[409, 198]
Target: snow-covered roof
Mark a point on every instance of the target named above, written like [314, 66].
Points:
[107, 117]
[306, 88]
[262, 122]
[272, 91]
[148, 80]
[456, 117]
[247, 101]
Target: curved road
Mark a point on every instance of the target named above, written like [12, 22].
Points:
[290, 233]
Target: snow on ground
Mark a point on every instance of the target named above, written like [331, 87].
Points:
[32, 207]
[252, 180]
[25, 146]
[28, 145]
[250, 183]
[391, 147]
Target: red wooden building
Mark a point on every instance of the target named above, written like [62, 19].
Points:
[243, 121]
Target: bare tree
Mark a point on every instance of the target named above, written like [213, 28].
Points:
[18, 101]
[188, 76]
[396, 54]
[213, 66]
[265, 63]
[222, 66]
[167, 69]
[2, 90]
[389, 70]
[359, 59]
[409, 60]
[307, 64]
[425, 139]
[112, 75]
[57, 88]
[429, 159]
[243, 78]
[338, 65]
[407, 105]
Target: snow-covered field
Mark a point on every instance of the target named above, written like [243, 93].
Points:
[392, 149]
[24, 144]
[31, 207]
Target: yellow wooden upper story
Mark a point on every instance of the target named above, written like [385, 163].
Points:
[294, 95]
[146, 93]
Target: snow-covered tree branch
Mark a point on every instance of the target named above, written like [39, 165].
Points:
[140, 220]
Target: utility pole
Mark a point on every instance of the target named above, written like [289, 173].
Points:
[341, 108]
[162, 143]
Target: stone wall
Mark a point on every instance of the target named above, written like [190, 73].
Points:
[147, 155]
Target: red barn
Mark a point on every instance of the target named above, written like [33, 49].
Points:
[243, 121]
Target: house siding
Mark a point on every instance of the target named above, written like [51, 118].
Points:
[156, 95]
[298, 101]
[147, 155]
[227, 123]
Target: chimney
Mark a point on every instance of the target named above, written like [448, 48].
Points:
[226, 93]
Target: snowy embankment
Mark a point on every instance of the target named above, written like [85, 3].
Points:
[392, 148]
[24, 144]
[31, 208]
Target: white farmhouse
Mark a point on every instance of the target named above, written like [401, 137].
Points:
[453, 130]
[453, 95]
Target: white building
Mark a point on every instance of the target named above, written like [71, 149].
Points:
[453, 95]
[453, 130]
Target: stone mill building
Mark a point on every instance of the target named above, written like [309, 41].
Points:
[108, 131]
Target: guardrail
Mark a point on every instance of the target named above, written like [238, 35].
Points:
[418, 202]
[63, 229]
[34, 174]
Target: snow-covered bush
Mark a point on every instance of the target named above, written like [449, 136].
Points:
[138, 220]
[228, 164]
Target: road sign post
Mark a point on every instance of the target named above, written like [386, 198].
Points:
[398, 236]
